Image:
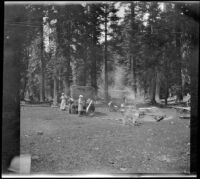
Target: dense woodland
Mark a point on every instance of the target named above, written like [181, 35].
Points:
[149, 51]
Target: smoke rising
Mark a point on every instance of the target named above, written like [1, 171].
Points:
[118, 87]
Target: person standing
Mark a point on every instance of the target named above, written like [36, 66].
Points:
[63, 102]
[71, 102]
[80, 105]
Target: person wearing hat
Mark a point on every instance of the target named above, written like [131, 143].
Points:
[63, 102]
[80, 105]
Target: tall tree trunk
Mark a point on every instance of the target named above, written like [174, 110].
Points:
[145, 88]
[105, 60]
[166, 73]
[60, 90]
[42, 84]
[131, 71]
[153, 87]
[66, 85]
[68, 57]
[133, 60]
[133, 76]
[179, 64]
[52, 88]
[166, 90]
[84, 81]
[93, 77]
[86, 57]
[66, 82]
[145, 80]
[94, 69]
[55, 92]
[42, 73]
[157, 88]
[84, 78]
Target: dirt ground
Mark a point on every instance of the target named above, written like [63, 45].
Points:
[59, 142]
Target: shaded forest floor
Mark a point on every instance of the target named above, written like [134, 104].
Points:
[65, 143]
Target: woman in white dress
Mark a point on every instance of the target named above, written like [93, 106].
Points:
[63, 102]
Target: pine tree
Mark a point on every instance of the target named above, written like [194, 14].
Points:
[109, 16]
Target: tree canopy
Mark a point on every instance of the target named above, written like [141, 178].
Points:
[90, 44]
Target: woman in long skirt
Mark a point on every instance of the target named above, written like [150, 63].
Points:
[63, 102]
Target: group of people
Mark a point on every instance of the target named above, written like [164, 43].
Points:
[81, 106]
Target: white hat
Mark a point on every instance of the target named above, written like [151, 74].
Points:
[80, 96]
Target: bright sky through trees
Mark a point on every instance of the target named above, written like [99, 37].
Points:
[120, 14]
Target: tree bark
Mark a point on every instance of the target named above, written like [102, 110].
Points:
[166, 91]
[67, 77]
[145, 88]
[42, 84]
[66, 85]
[133, 76]
[166, 73]
[52, 88]
[145, 80]
[157, 88]
[66, 80]
[84, 78]
[60, 86]
[93, 78]
[153, 87]
[133, 60]
[94, 70]
[105, 60]
[68, 61]
[42, 73]
[55, 92]
[55, 74]
[135, 79]
[179, 64]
